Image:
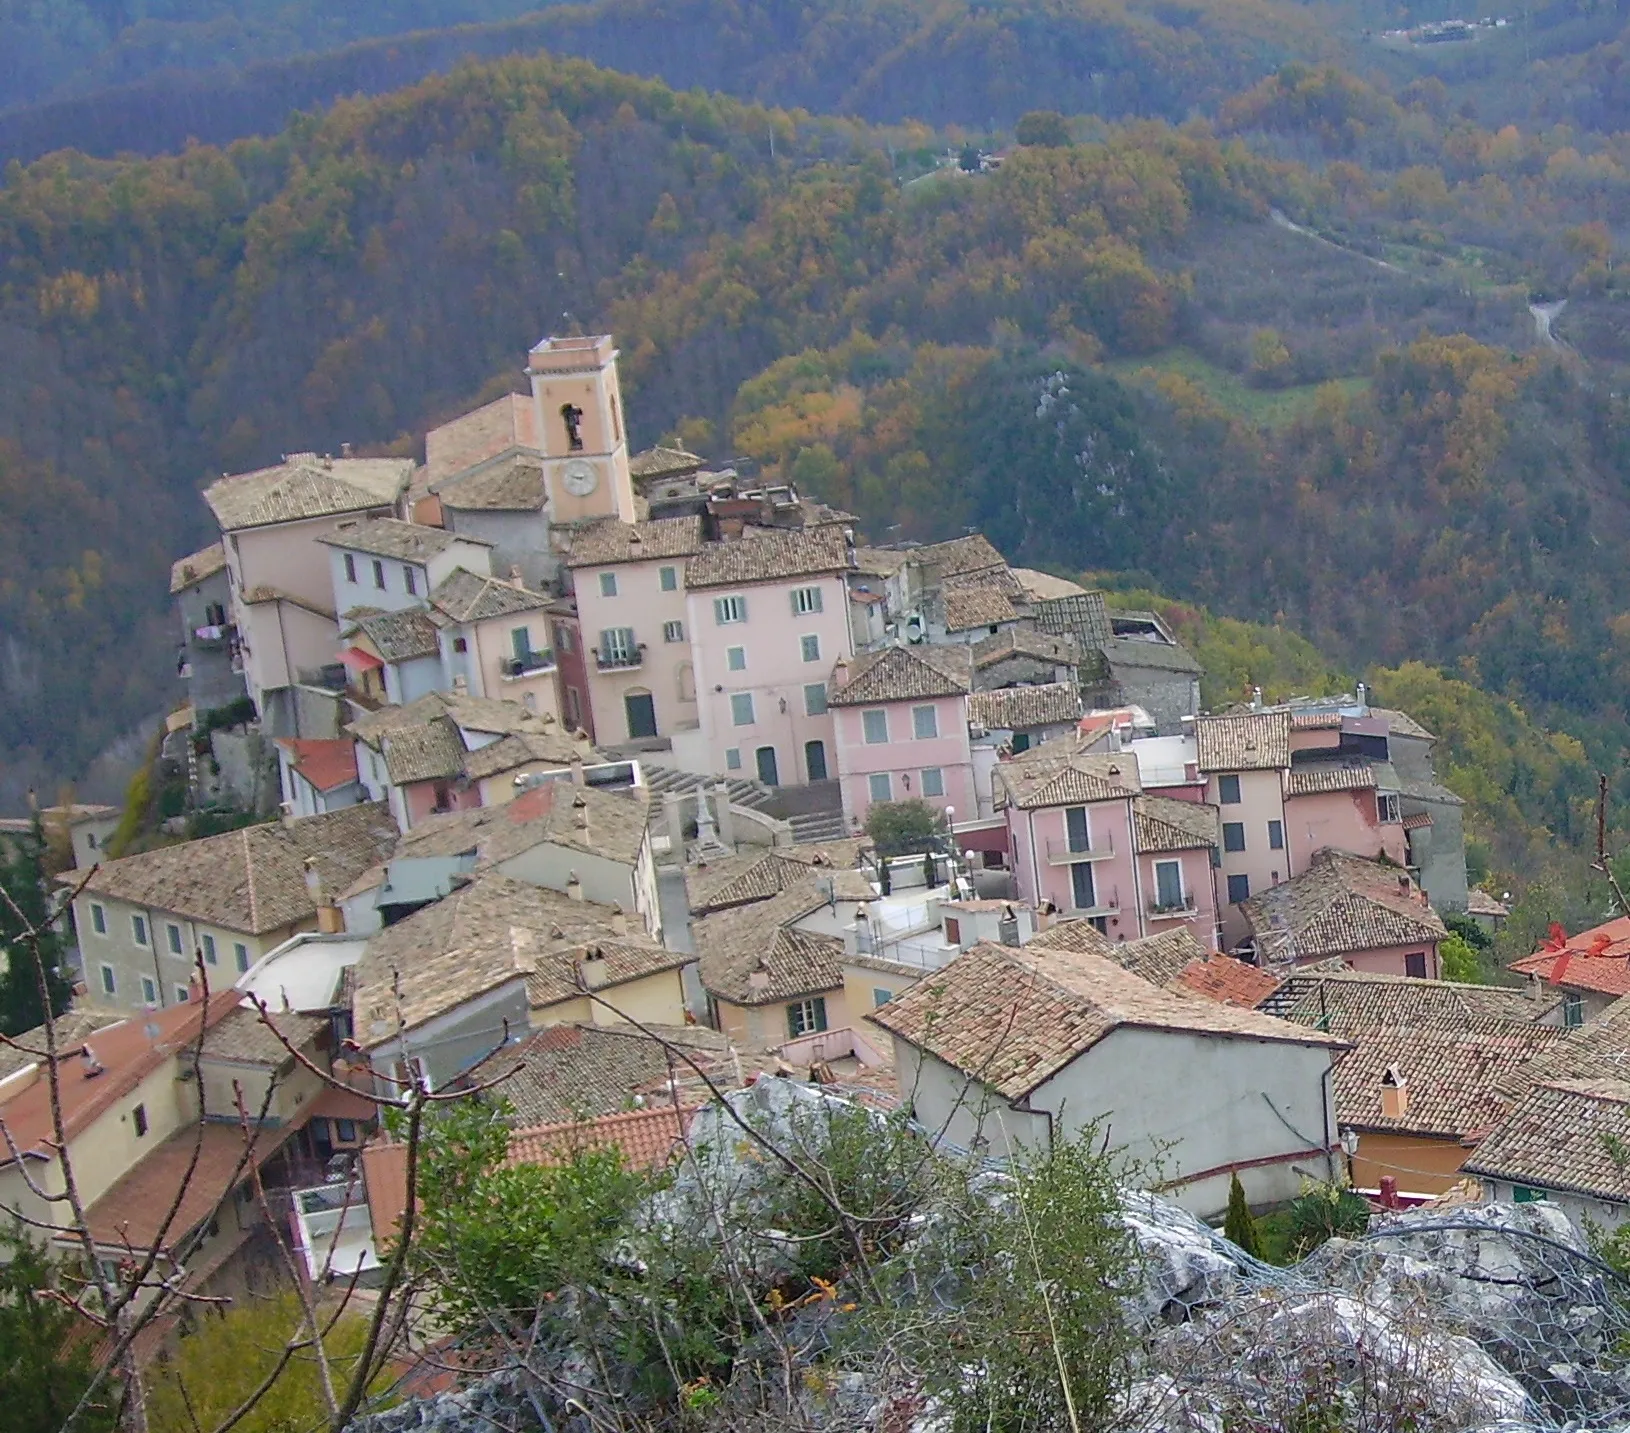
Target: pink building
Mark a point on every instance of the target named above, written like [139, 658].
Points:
[900, 723]
[1175, 842]
[768, 616]
[1335, 805]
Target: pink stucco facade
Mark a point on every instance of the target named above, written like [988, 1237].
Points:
[423, 799]
[1043, 859]
[656, 614]
[937, 769]
[1343, 821]
[1198, 909]
[1395, 960]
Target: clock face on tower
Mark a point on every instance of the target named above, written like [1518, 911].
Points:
[580, 478]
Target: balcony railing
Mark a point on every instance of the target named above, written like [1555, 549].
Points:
[1067, 852]
[620, 661]
[1108, 904]
[514, 668]
[1185, 906]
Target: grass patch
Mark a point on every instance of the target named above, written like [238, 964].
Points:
[1276, 1236]
[1265, 407]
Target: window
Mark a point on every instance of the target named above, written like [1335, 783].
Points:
[741, 708]
[806, 1017]
[815, 699]
[953, 931]
[572, 416]
[933, 781]
[735, 658]
[1525, 1194]
[673, 631]
[172, 937]
[608, 584]
[379, 574]
[1168, 886]
[138, 929]
[880, 997]
[1276, 835]
[149, 991]
[99, 919]
[209, 949]
[875, 724]
[805, 600]
[810, 646]
[879, 787]
[240, 953]
[350, 568]
[1239, 889]
[1083, 889]
[732, 758]
[461, 644]
[1389, 808]
[574, 707]
[345, 1131]
[1415, 964]
[181, 995]
[668, 579]
[729, 609]
[1233, 835]
[1228, 790]
[410, 582]
[1076, 834]
[1573, 1010]
[110, 986]
[520, 643]
[564, 639]
[617, 646]
[924, 723]
[138, 1117]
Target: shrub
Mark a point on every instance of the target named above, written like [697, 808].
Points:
[1239, 1226]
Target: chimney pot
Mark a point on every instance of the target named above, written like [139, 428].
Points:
[574, 887]
[1394, 1093]
[593, 969]
[619, 922]
[345, 450]
[1256, 699]
[461, 685]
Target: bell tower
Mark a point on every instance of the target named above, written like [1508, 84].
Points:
[580, 423]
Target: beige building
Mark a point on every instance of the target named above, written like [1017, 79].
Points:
[495, 639]
[145, 920]
[580, 429]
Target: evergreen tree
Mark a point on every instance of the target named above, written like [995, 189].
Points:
[22, 874]
[43, 1368]
[1239, 1226]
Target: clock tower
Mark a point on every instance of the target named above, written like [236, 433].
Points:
[580, 420]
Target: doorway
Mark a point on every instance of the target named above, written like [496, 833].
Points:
[815, 760]
[641, 709]
[767, 772]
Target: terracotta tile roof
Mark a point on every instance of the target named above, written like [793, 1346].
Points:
[466, 597]
[1160, 823]
[1599, 1050]
[1417, 820]
[758, 875]
[977, 606]
[253, 880]
[754, 955]
[1315, 721]
[770, 555]
[244, 1037]
[1597, 960]
[400, 636]
[483, 935]
[880, 561]
[1226, 980]
[484, 714]
[647, 1138]
[1251, 741]
[579, 1071]
[1481, 903]
[327, 764]
[608, 823]
[1056, 649]
[1560, 1136]
[660, 462]
[1084, 617]
[1041, 586]
[1402, 723]
[1340, 903]
[1158, 958]
[960, 555]
[901, 674]
[72, 1028]
[1346, 1002]
[1057, 774]
[602, 544]
[1021, 708]
[390, 537]
[429, 751]
[1315, 777]
[479, 436]
[1073, 935]
[511, 482]
[1014, 1018]
[306, 486]
[1456, 1078]
[554, 747]
[187, 571]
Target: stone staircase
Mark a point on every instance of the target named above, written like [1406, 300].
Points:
[818, 826]
[824, 823]
[662, 779]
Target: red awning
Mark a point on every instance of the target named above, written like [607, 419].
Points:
[360, 661]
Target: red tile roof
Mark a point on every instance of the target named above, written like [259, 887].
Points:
[327, 765]
[1227, 981]
[645, 1137]
[1597, 960]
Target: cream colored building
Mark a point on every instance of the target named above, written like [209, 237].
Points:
[495, 639]
[580, 429]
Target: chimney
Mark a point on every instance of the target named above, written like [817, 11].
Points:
[592, 969]
[1394, 1094]
[330, 920]
[1403, 884]
[89, 1064]
[840, 673]
[345, 450]
[619, 922]
[1363, 697]
[574, 887]
[758, 982]
[577, 771]
[461, 685]
[314, 881]
[1256, 699]
[515, 575]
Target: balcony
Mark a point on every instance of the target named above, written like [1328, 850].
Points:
[1067, 852]
[620, 661]
[1165, 910]
[1108, 903]
[515, 669]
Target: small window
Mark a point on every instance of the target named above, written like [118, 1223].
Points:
[608, 584]
[99, 919]
[1276, 835]
[815, 699]
[933, 781]
[1573, 1010]
[1233, 835]
[878, 786]
[410, 582]
[240, 953]
[350, 568]
[1526, 1194]
[461, 644]
[617, 646]
[741, 708]
[110, 986]
[1168, 886]
[729, 609]
[875, 723]
[564, 639]
[806, 1017]
[520, 643]
[149, 991]
[668, 578]
[345, 1131]
[138, 929]
[880, 997]
[209, 949]
[806, 600]
[1415, 964]
[810, 646]
[1389, 809]
[181, 995]
[138, 1117]
[172, 937]
[924, 723]
[1239, 889]
[953, 931]
[574, 707]
[1228, 790]
[673, 631]
[732, 758]
[379, 574]
[735, 658]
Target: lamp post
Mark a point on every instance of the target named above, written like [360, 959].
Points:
[1349, 1142]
